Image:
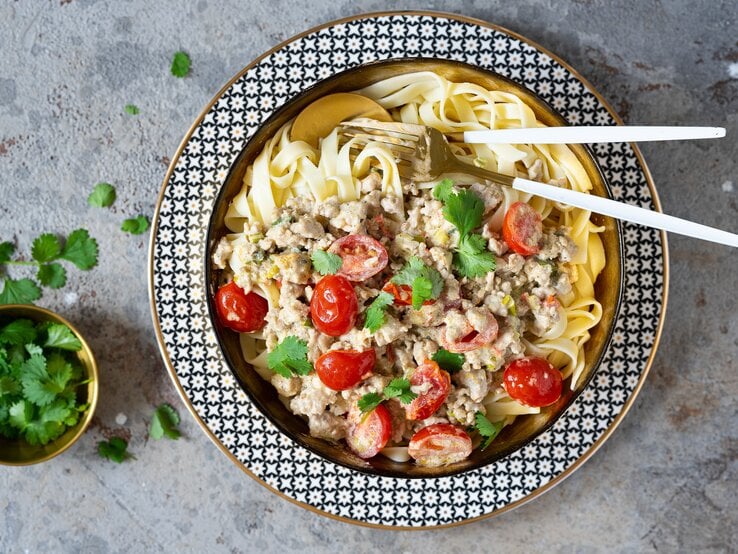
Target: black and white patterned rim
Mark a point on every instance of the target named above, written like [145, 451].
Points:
[187, 338]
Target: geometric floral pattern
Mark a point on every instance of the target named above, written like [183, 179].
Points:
[188, 340]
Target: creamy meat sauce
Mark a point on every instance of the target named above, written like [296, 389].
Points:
[520, 296]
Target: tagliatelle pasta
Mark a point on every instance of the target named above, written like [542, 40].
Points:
[287, 169]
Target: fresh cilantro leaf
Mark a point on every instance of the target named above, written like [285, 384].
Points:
[38, 387]
[61, 336]
[487, 429]
[57, 412]
[400, 388]
[443, 190]
[80, 249]
[6, 251]
[422, 291]
[20, 414]
[19, 291]
[52, 275]
[115, 449]
[102, 196]
[164, 423]
[326, 263]
[132, 109]
[464, 209]
[290, 356]
[18, 332]
[472, 259]
[46, 248]
[448, 361]
[375, 313]
[369, 401]
[415, 269]
[180, 64]
[135, 225]
[8, 386]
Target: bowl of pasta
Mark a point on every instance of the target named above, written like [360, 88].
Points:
[404, 328]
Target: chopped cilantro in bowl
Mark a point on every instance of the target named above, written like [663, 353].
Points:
[48, 385]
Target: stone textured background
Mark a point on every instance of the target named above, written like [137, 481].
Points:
[667, 480]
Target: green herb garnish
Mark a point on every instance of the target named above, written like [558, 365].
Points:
[135, 225]
[326, 263]
[464, 209]
[375, 314]
[290, 356]
[164, 423]
[132, 109]
[38, 381]
[448, 361]
[369, 401]
[428, 281]
[102, 196]
[79, 249]
[180, 64]
[400, 388]
[115, 449]
[487, 429]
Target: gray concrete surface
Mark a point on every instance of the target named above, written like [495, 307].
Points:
[666, 480]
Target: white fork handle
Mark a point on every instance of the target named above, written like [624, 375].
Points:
[590, 134]
[626, 212]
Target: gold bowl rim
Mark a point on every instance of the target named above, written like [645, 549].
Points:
[38, 313]
[455, 17]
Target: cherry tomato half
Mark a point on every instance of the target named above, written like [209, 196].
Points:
[342, 369]
[522, 229]
[369, 433]
[438, 382]
[362, 256]
[533, 382]
[403, 294]
[440, 444]
[239, 311]
[474, 338]
[334, 306]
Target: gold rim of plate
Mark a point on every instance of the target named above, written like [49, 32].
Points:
[39, 454]
[649, 179]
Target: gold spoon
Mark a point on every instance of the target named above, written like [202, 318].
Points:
[319, 118]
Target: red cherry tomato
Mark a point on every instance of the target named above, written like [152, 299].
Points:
[533, 382]
[522, 229]
[403, 294]
[342, 369]
[239, 311]
[369, 433]
[474, 338]
[439, 384]
[362, 256]
[334, 306]
[439, 444]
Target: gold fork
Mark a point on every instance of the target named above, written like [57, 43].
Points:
[423, 154]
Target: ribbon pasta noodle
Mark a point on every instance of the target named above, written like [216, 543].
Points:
[287, 168]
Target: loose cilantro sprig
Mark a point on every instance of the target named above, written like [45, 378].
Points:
[290, 356]
[375, 314]
[47, 250]
[487, 429]
[326, 263]
[464, 209]
[164, 423]
[135, 225]
[102, 196]
[115, 450]
[180, 64]
[426, 282]
[397, 388]
[39, 380]
[448, 361]
[132, 109]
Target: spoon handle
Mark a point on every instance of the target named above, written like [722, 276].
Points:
[590, 134]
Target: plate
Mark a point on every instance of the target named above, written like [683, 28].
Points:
[187, 339]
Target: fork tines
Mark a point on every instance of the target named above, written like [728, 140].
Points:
[395, 135]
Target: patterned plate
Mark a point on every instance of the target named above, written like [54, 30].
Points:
[187, 338]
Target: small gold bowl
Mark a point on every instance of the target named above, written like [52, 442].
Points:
[19, 452]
